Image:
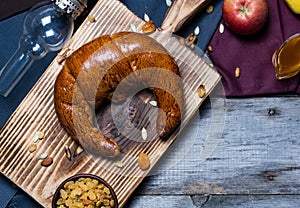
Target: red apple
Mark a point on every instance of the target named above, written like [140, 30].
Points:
[245, 17]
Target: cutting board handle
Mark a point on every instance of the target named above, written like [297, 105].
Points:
[180, 12]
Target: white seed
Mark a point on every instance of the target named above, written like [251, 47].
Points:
[144, 133]
[43, 156]
[197, 30]
[169, 2]
[146, 17]
[68, 152]
[119, 164]
[133, 27]
[78, 151]
[35, 138]
[221, 28]
[153, 103]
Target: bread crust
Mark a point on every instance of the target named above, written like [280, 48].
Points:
[92, 73]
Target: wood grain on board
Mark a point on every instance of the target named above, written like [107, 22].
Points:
[36, 113]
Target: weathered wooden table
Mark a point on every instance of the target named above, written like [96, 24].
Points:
[254, 164]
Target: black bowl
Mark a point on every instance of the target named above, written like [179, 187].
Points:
[56, 195]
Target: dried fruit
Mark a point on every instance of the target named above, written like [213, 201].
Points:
[209, 9]
[47, 161]
[201, 91]
[85, 192]
[32, 148]
[190, 40]
[148, 27]
[91, 18]
[210, 48]
[237, 72]
[143, 161]
[39, 135]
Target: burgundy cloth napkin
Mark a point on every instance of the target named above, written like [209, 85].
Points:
[252, 54]
[11, 7]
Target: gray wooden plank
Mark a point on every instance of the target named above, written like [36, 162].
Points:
[142, 201]
[248, 201]
[214, 201]
[257, 153]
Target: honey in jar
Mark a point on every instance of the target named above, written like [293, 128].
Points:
[286, 59]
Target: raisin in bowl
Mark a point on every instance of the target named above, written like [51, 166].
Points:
[86, 191]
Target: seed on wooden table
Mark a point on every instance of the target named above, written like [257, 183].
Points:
[237, 72]
[47, 161]
[210, 9]
[201, 91]
[32, 148]
[43, 156]
[119, 164]
[91, 18]
[144, 133]
[143, 161]
[40, 135]
[68, 152]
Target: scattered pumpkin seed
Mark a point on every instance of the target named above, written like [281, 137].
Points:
[119, 164]
[146, 17]
[91, 18]
[237, 72]
[209, 9]
[133, 27]
[144, 133]
[221, 28]
[47, 161]
[169, 2]
[197, 30]
[43, 156]
[68, 152]
[143, 161]
[201, 91]
[78, 151]
[32, 148]
[153, 103]
[35, 138]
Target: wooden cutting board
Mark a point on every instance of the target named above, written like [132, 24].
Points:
[36, 113]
